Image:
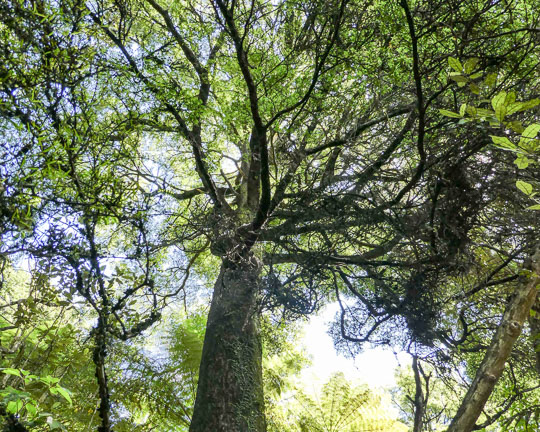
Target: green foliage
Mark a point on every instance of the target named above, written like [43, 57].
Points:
[337, 406]
[133, 172]
[443, 396]
[156, 379]
[503, 105]
[283, 361]
[44, 364]
[21, 403]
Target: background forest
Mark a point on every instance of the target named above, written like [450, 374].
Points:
[184, 183]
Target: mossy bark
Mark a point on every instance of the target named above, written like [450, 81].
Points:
[230, 392]
[534, 324]
[491, 368]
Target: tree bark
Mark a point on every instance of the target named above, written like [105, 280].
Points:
[492, 366]
[100, 353]
[534, 324]
[419, 401]
[229, 392]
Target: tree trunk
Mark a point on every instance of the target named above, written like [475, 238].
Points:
[100, 354]
[419, 401]
[230, 392]
[492, 366]
[534, 324]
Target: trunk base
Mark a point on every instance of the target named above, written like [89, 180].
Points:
[230, 392]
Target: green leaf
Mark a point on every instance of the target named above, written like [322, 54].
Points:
[462, 109]
[13, 394]
[65, 393]
[449, 113]
[534, 207]
[529, 104]
[11, 371]
[510, 98]
[513, 107]
[455, 64]
[49, 380]
[476, 75]
[54, 424]
[490, 80]
[31, 409]
[503, 142]
[531, 131]
[472, 111]
[13, 407]
[474, 88]
[516, 126]
[522, 161]
[485, 112]
[524, 187]
[499, 105]
[470, 64]
[459, 78]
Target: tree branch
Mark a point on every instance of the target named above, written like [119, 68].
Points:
[201, 70]
[193, 140]
[243, 62]
[318, 68]
[498, 352]
[420, 107]
[358, 130]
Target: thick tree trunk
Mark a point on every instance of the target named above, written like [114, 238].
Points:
[492, 366]
[230, 393]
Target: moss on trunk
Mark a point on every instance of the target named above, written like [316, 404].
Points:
[230, 392]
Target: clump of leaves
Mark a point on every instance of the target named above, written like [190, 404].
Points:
[20, 403]
[526, 146]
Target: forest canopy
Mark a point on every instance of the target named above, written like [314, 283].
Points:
[183, 182]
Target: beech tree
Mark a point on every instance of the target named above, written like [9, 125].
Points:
[281, 152]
